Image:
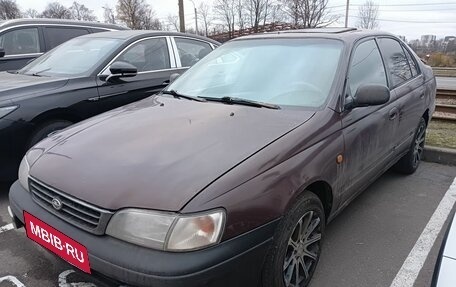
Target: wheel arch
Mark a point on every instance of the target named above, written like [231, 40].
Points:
[426, 116]
[56, 114]
[323, 190]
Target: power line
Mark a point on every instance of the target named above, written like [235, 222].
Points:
[390, 10]
[408, 21]
[398, 5]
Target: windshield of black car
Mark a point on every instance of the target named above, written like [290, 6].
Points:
[77, 57]
[288, 72]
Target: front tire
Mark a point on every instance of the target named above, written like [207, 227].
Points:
[296, 248]
[410, 162]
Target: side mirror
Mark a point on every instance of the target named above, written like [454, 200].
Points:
[2, 52]
[371, 95]
[121, 70]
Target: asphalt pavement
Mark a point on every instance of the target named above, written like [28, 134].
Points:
[365, 245]
[447, 83]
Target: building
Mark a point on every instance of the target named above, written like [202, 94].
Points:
[428, 40]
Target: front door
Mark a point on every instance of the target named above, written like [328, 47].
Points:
[152, 58]
[367, 130]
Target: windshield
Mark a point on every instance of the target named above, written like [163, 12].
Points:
[77, 57]
[286, 72]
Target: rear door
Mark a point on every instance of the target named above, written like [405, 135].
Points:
[56, 35]
[190, 51]
[21, 45]
[155, 63]
[407, 84]
[367, 130]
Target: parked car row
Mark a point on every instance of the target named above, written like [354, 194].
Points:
[23, 40]
[228, 175]
[84, 77]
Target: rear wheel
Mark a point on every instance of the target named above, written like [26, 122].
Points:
[296, 248]
[410, 162]
[45, 129]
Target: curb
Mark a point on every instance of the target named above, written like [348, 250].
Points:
[440, 155]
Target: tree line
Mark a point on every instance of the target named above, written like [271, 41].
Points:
[223, 16]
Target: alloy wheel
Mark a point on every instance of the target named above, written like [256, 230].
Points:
[419, 145]
[303, 250]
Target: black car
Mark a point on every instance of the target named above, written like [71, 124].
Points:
[86, 76]
[22, 40]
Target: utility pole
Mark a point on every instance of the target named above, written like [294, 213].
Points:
[181, 16]
[196, 17]
[346, 13]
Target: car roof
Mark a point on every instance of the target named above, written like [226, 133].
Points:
[44, 21]
[137, 34]
[348, 35]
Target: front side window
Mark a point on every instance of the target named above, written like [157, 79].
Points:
[56, 35]
[77, 57]
[148, 55]
[366, 67]
[396, 60]
[287, 72]
[20, 41]
[191, 51]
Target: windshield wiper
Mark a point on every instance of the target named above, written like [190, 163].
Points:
[241, 101]
[179, 95]
[38, 74]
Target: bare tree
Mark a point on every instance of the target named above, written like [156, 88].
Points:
[137, 14]
[240, 14]
[56, 10]
[226, 11]
[173, 21]
[204, 13]
[108, 15]
[81, 12]
[9, 10]
[257, 11]
[31, 13]
[309, 13]
[149, 21]
[368, 15]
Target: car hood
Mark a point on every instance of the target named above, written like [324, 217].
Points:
[17, 85]
[157, 153]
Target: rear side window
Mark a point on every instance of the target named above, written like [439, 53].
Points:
[191, 51]
[20, 41]
[396, 61]
[412, 63]
[148, 55]
[366, 66]
[57, 35]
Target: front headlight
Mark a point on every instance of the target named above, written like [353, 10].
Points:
[6, 110]
[23, 174]
[167, 231]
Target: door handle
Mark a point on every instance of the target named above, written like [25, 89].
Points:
[166, 83]
[393, 114]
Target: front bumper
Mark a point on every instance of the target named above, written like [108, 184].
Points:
[235, 262]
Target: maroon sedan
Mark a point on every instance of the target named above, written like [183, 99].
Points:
[229, 176]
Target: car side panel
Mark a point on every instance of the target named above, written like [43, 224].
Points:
[411, 104]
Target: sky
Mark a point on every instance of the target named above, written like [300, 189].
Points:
[410, 18]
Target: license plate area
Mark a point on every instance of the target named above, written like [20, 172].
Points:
[57, 242]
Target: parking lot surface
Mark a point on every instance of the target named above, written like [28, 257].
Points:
[365, 245]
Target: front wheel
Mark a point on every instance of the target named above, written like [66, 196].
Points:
[410, 162]
[296, 248]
